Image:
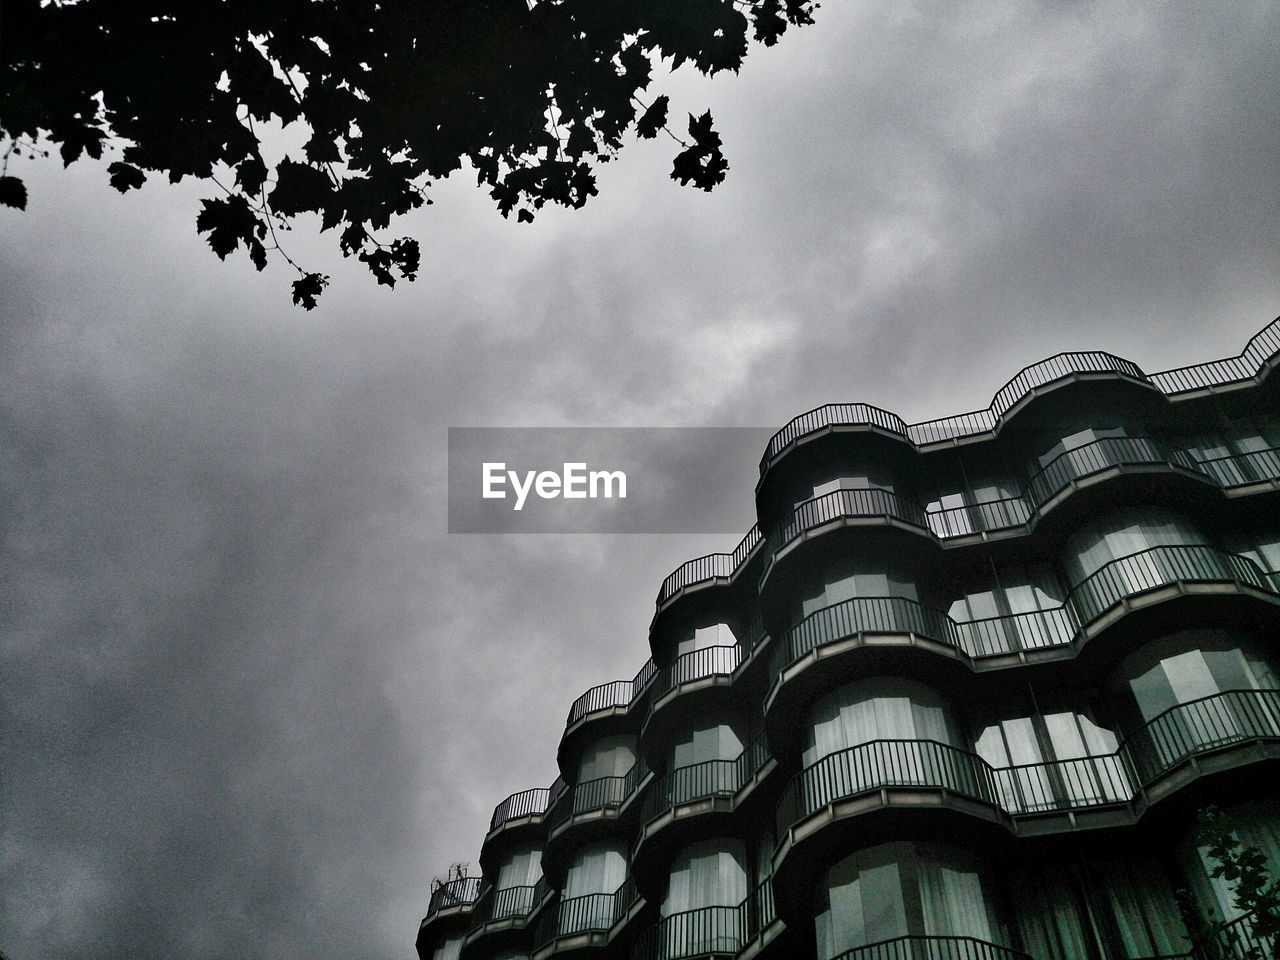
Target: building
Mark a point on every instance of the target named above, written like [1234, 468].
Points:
[960, 695]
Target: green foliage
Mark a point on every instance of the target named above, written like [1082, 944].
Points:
[394, 94]
[1255, 893]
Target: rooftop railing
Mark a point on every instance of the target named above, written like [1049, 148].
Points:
[1189, 729]
[454, 893]
[1261, 349]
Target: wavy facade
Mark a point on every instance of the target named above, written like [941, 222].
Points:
[959, 695]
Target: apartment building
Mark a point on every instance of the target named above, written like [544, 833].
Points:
[959, 695]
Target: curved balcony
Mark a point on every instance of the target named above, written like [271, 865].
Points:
[594, 799]
[525, 804]
[720, 661]
[611, 696]
[1100, 456]
[501, 911]
[1120, 580]
[1205, 726]
[933, 948]
[710, 931]
[698, 782]
[1244, 469]
[708, 569]
[459, 893]
[583, 921]
[839, 505]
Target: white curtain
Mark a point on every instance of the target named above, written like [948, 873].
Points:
[875, 710]
[608, 757]
[862, 902]
[708, 743]
[713, 635]
[1142, 904]
[597, 868]
[449, 950]
[710, 873]
[952, 902]
[522, 869]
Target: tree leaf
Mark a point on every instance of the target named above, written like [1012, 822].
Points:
[229, 221]
[654, 118]
[702, 163]
[13, 193]
[125, 177]
[307, 289]
[299, 188]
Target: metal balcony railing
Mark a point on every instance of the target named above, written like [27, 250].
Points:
[714, 566]
[933, 948]
[982, 517]
[718, 931]
[701, 781]
[1104, 454]
[454, 893]
[838, 504]
[616, 693]
[1157, 567]
[1260, 350]
[593, 913]
[720, 661]
[1237, 940]
[526, 803]
[1149, 753]
[1239, 469]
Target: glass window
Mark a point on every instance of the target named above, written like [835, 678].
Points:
[521, 869]
[607, 757]
[881, 709]
[712, 635]
[851, 580]
[449, 950]
[710, 873]
[707, 743]
[597, 871]
[902, 889]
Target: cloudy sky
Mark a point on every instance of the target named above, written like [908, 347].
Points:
[255, 697]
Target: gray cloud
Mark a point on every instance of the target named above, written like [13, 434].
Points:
[254, 697]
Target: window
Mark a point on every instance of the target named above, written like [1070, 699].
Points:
[1120, 555]
[513, 890]
[607, 757]
[449, 950]
[854, 580]
[1191, 691]
[708, 877]
[877, 733]
[903, 889]
[1022, 610]
[712, 635]
[596, 873]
